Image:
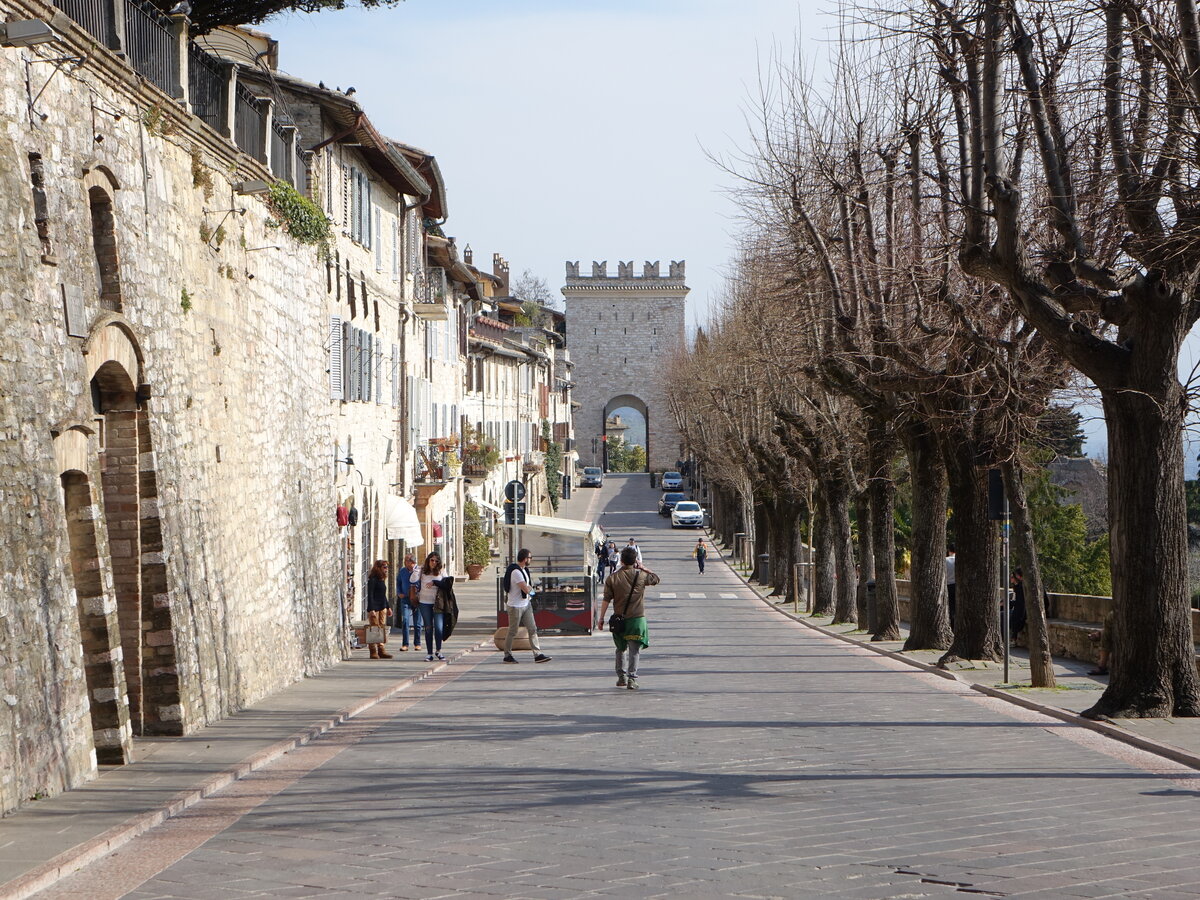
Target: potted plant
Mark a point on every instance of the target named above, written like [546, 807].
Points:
[477, 549]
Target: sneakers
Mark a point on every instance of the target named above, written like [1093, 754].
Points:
[509, 658]
[620, 681]
[439, 656]
[632, 685]
[541, 657]
[429, 658]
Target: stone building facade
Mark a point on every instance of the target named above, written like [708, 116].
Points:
[622, 331]
[168, 554]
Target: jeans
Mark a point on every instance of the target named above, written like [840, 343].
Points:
[700, 562]
[410, 618]
[433, 629]
[629, 671]
[518, 616]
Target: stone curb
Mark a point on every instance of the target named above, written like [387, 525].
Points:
[1167, 751]
[70, 861]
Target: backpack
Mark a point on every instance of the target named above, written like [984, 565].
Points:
[506, 581]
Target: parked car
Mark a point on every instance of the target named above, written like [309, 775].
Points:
[672, 481]
[687, 514]
[667, 502]
[593, 476]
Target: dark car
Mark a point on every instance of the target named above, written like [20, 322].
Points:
[667, 501]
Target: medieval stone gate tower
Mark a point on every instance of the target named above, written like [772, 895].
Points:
[622, 331]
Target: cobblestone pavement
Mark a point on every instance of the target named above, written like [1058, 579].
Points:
[761, 759]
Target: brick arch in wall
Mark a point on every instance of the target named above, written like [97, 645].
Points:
[620, 401]
[96, 611]
[129, 489]
[101, 186]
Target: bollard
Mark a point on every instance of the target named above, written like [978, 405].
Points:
[763, 575]
[872, 620]
[653, 479]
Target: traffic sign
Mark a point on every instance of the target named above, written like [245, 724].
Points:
[514, 490]
[514, 513]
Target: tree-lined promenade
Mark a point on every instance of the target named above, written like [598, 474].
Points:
[992, 201]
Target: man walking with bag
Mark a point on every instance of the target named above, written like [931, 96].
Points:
[625, 589]
[520, 611]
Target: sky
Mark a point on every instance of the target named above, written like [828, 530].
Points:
[577, 129]
[565, 129]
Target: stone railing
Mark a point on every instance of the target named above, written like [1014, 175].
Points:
[1071, 618]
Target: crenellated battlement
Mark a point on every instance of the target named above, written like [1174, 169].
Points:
[650, 272]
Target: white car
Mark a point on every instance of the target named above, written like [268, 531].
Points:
[687, 514]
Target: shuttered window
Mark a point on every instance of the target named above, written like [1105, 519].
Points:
[396, 249]
[395, 376]
[378, 371]
[346, 192]
[336, 387]
[367, 366]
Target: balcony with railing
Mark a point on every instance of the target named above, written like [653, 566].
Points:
[430, 294]
[438, 461]
[157, 47]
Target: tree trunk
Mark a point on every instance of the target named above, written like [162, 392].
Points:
[823, 563]
[929, 625]
[837, 493]
[1041, 664]
[866, 564]
[881, 489]
[977, 616]
[1153, 662]
[762, 542]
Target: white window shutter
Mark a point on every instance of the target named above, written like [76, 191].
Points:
[378, 371]
[347, 361]
[336, 386]
[395, 376]
[346, 192]
[368, 364]
[396, 249]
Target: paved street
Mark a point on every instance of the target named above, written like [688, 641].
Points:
[761, 759]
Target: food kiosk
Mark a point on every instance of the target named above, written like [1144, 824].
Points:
[563, 572]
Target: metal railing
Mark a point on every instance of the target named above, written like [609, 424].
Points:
[206, 87]
[301, 164]
[249, 123]
[95, 18]
[279, 153]
[150, 43]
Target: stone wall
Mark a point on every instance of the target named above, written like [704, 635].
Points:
[165, 472]
[622, 331]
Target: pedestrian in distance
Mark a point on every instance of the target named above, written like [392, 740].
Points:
[625, 589]
[520, 608]
[425, 589]
[378, 607]
[601, 559]
[701, 554]
[1016, 612]
[407, 614]
[636, 549]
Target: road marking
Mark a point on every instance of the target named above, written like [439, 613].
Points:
[727, 596]
[666, 596]
[697, 596]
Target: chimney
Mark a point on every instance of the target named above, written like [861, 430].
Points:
[468, 254]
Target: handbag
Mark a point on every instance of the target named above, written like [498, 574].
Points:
[616, 622]
[376, 634]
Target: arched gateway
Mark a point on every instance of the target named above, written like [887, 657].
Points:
[622, 331]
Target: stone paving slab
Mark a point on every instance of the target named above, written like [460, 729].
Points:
[763, 759]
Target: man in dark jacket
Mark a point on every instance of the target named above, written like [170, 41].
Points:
[625, 589]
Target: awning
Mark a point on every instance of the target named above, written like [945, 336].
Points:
[493, 507]
[555, 525]
[400, 522]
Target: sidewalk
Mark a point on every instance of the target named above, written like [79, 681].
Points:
[48, 839]
[1174, 739]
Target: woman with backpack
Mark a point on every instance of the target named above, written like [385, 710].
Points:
[426, 590]
[701, 554]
